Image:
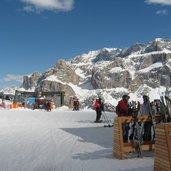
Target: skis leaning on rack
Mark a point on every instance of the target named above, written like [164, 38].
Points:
[165, 106]
[168, 108]
[163, 109]
[137, 136]
[152, 122]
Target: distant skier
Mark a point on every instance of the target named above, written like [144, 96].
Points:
[98, 106]
[76, 103]
[3, 104]
[48, 106]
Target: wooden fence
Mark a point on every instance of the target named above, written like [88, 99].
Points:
[119, 147]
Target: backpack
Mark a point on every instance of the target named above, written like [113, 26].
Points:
[118, 109]
[97, 104]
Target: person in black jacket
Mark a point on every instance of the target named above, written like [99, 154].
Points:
[48, 106]
[147, 110]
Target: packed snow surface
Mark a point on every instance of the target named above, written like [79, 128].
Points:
[60, 140]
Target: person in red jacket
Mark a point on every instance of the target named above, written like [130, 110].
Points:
[97, 107]
[122, 107]
[122, 110]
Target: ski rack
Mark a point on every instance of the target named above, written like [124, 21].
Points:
[162, 153]
[119, 147]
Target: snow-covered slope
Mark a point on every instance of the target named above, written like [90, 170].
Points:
[61, 141]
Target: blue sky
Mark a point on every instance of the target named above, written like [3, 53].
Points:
[35, 34]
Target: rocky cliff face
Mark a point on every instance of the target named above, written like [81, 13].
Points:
[62, 75]
[109, 69]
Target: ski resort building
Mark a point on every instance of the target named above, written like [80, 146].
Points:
[56, 96]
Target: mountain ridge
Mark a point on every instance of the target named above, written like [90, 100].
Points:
[109, 73]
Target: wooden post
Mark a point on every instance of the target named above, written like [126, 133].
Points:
[162, 154]
[118, 139]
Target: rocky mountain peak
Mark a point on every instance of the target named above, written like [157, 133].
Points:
[110, 71]
[158, 44]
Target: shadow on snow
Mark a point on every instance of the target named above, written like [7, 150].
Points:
[97, 135]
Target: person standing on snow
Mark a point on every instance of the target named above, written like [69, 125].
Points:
[48, 106]
[98, 109]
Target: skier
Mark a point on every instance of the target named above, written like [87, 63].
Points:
[48, 106]
[98, 109]
[75, 103]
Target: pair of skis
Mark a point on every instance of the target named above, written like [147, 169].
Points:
[104, 115]
[166, 108]
[163, 109]
[137, 136]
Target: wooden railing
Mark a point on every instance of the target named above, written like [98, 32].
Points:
[119, 146]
